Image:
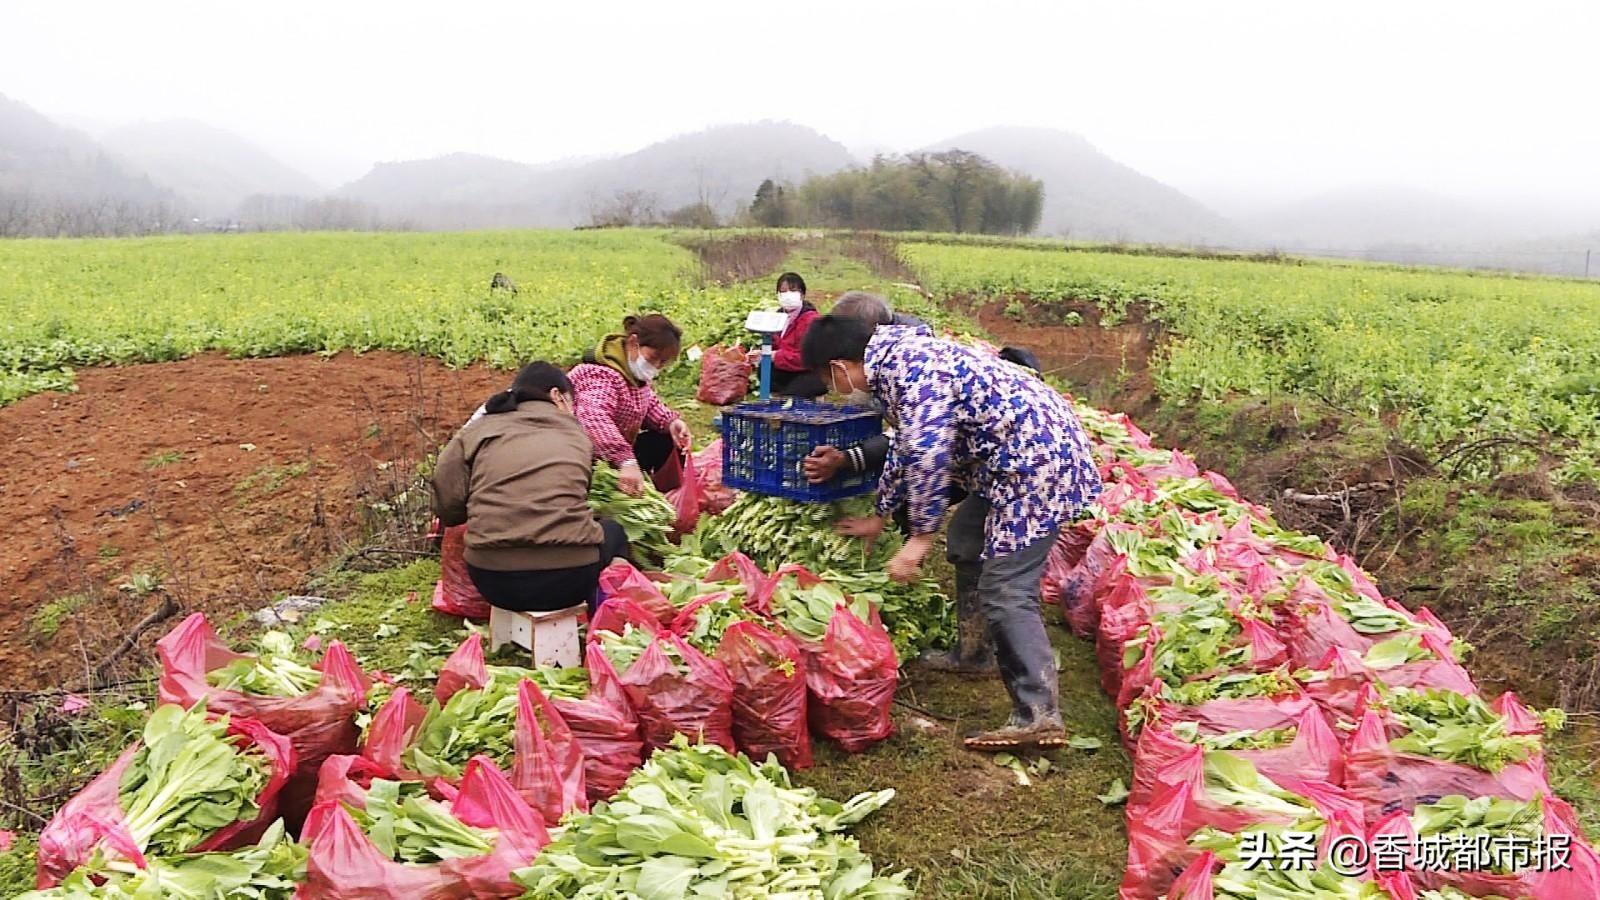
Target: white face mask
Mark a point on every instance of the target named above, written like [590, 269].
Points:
[789, 301]
[642, 369]
[856, 396]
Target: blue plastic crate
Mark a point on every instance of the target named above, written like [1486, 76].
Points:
[763, 445]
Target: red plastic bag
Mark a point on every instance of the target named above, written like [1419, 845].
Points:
[454, 594]
[851, 678]
[1227, 714]
[724, 375]
[319, 724]
[1056, 569]
[714, 495]
[738, 567]
[605, 726]
[1266, 653]
[768, 671]
[603, 723]
[616, 613]
[1314, 755]
[93, 818]
[1158, 845]
[1579, 878]
[1340, 678]
[547, 767]
[620, 580]
[345, 865]
[1385, 780]
[686, 499]
[668, 701]
[1312, 626]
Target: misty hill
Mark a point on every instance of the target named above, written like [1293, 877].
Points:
[55, 180]
[722, 166]
[210, 169]
[1374, 215]
[1089, 195]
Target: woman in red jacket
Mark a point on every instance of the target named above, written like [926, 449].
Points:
[790, 377]
[614, 401]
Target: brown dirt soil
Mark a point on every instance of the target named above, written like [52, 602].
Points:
[1109, 364]
[232, 479]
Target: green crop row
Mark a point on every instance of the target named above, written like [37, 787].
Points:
[1450, 356]
[66, 303]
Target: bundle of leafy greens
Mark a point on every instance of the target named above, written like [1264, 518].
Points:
[1460, 728]
[188, 779]
[773, 531]
[1483, 822]
[917, 615]
[270, 870]
[713, 618]
[623, 650]
[806, 611]
[1232, 686]
[1232, 781]
[1407, 648]
[1169, 538]
[1365, 615]
[1174, 496]
[471, 722]
[1198, 634]
[275, 672]
[697, 822]
[681, 592]
[646, 518]
[408, 826]
[1245, 739]
[569, 683]
[1264, 867]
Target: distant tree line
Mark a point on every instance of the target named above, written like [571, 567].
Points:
[951, 191]
[285, 212]
[28, 214]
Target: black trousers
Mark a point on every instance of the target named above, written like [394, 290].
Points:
[652, 449]
[548, 590]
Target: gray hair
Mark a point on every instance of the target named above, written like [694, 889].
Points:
[869, 308]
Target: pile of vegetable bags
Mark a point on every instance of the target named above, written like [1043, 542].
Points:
[499, 714]
[374, 838]
[801, 655]
[1267, 687]
[196, 782]
[774, 532]
[313, 706]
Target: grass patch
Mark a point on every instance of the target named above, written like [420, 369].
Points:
[17, 866]
[108, 551]
[386, 618]
[48, 618]
[269, 479]
[164, 458]
[965, 825]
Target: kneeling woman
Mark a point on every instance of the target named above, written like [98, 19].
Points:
[519, 478]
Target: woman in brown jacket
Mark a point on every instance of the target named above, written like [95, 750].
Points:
[519, 478]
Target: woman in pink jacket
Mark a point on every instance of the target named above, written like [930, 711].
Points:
[612, 395]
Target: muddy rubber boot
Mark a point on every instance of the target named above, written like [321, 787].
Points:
[973, 653]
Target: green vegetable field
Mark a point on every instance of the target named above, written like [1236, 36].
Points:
[1436, 432]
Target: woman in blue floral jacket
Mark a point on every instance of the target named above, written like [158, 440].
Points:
[1014, 445]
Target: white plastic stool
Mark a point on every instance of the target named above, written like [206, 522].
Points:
[552, 637]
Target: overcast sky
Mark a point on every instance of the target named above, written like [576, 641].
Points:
[1235, 102]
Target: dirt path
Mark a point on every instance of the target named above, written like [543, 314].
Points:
[230, 480]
